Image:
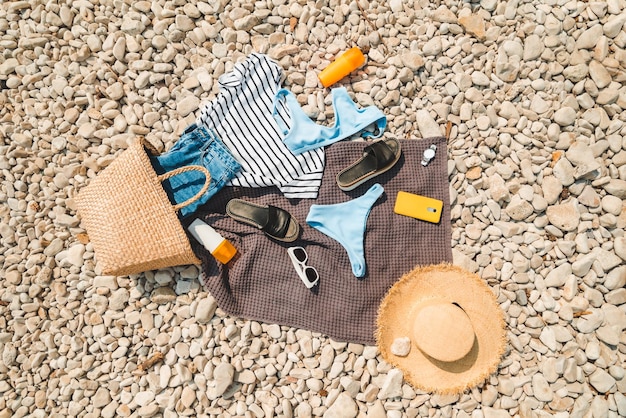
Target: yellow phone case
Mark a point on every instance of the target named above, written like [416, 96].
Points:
[418, 207]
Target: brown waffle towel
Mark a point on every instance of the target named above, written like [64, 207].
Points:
[262, 283]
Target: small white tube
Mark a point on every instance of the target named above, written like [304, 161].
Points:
[206, 235]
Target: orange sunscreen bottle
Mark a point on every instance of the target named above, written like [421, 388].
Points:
[343, 65]
[218, 246]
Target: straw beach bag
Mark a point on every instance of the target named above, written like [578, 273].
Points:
[128, 216]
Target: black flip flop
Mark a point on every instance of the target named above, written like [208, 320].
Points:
[378, 157]
[274, 221]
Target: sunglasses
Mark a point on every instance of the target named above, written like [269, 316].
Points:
[308, 274]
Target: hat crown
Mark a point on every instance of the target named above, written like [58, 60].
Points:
[442, 330]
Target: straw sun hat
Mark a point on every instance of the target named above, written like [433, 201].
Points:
[442, 326]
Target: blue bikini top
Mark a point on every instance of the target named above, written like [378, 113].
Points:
[306, 135]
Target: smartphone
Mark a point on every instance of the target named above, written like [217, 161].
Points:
[418, 207]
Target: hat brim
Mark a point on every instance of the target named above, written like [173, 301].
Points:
[442, 281]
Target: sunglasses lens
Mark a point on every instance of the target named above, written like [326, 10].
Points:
[299, 254]
[311, 274]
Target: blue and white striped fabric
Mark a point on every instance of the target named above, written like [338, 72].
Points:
[243, 117]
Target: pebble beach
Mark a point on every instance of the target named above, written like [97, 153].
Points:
[535, 92]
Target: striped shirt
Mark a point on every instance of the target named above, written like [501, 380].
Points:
[243, 116]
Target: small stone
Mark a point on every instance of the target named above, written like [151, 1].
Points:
[616, 297]
[513, 48]
[608, 95]
[548, 338]
[533, 47]
[162, 295]
[184, 23]
[431, 48]
[377, 410]
[187, 105]
[13, 277]
[184, 286]
[9, 355]
[55, 247]
[564, 172]
[246, 377]
[599, 407]
[274, 331]
[589, 197]
[75, 254]
[8, 66]
[119, 299]
[489, 5]
[327, 357]
[599, 74]
[392, 386]
[601, 381]
[519, 209]
[188, 397]
[607, 259]
[589, 323]
[509, 111]
[538, 105]
[426, 124]
[616, 187]
[557, 276]
[143, 398]
[619, 246]
[589, 38]
[507, 68]
[614, 25]
[401, 346]
[474, 25]
[565, 216]
[343, 407]
[223, 374]
[541, 388]
[163, 277]
[246, 23]
[412, 60]
[608, 335]
[588, 171]
[497, 188]
[583, 263]
[101, 398]
[396, 6]
[480, 79]
[220, 50]
[620, 401]
[612, 205]
[565, 116]
[616, 278]
[579, 153]
[364, 86]
[115, 91]
[206, 309]
[506, 386]
[283, 51]
[131, 26]
[149, 410]
[551, 188]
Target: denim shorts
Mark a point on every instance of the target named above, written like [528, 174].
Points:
[196, 146]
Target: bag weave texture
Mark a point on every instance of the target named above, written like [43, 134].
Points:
[128, 216]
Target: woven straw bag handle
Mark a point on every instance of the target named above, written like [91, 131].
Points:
[184, 169]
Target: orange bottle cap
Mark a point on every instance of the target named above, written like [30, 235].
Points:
[224, 252]
[355, 56]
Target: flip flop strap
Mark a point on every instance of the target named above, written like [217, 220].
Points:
[383, 154]
[277, 222]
